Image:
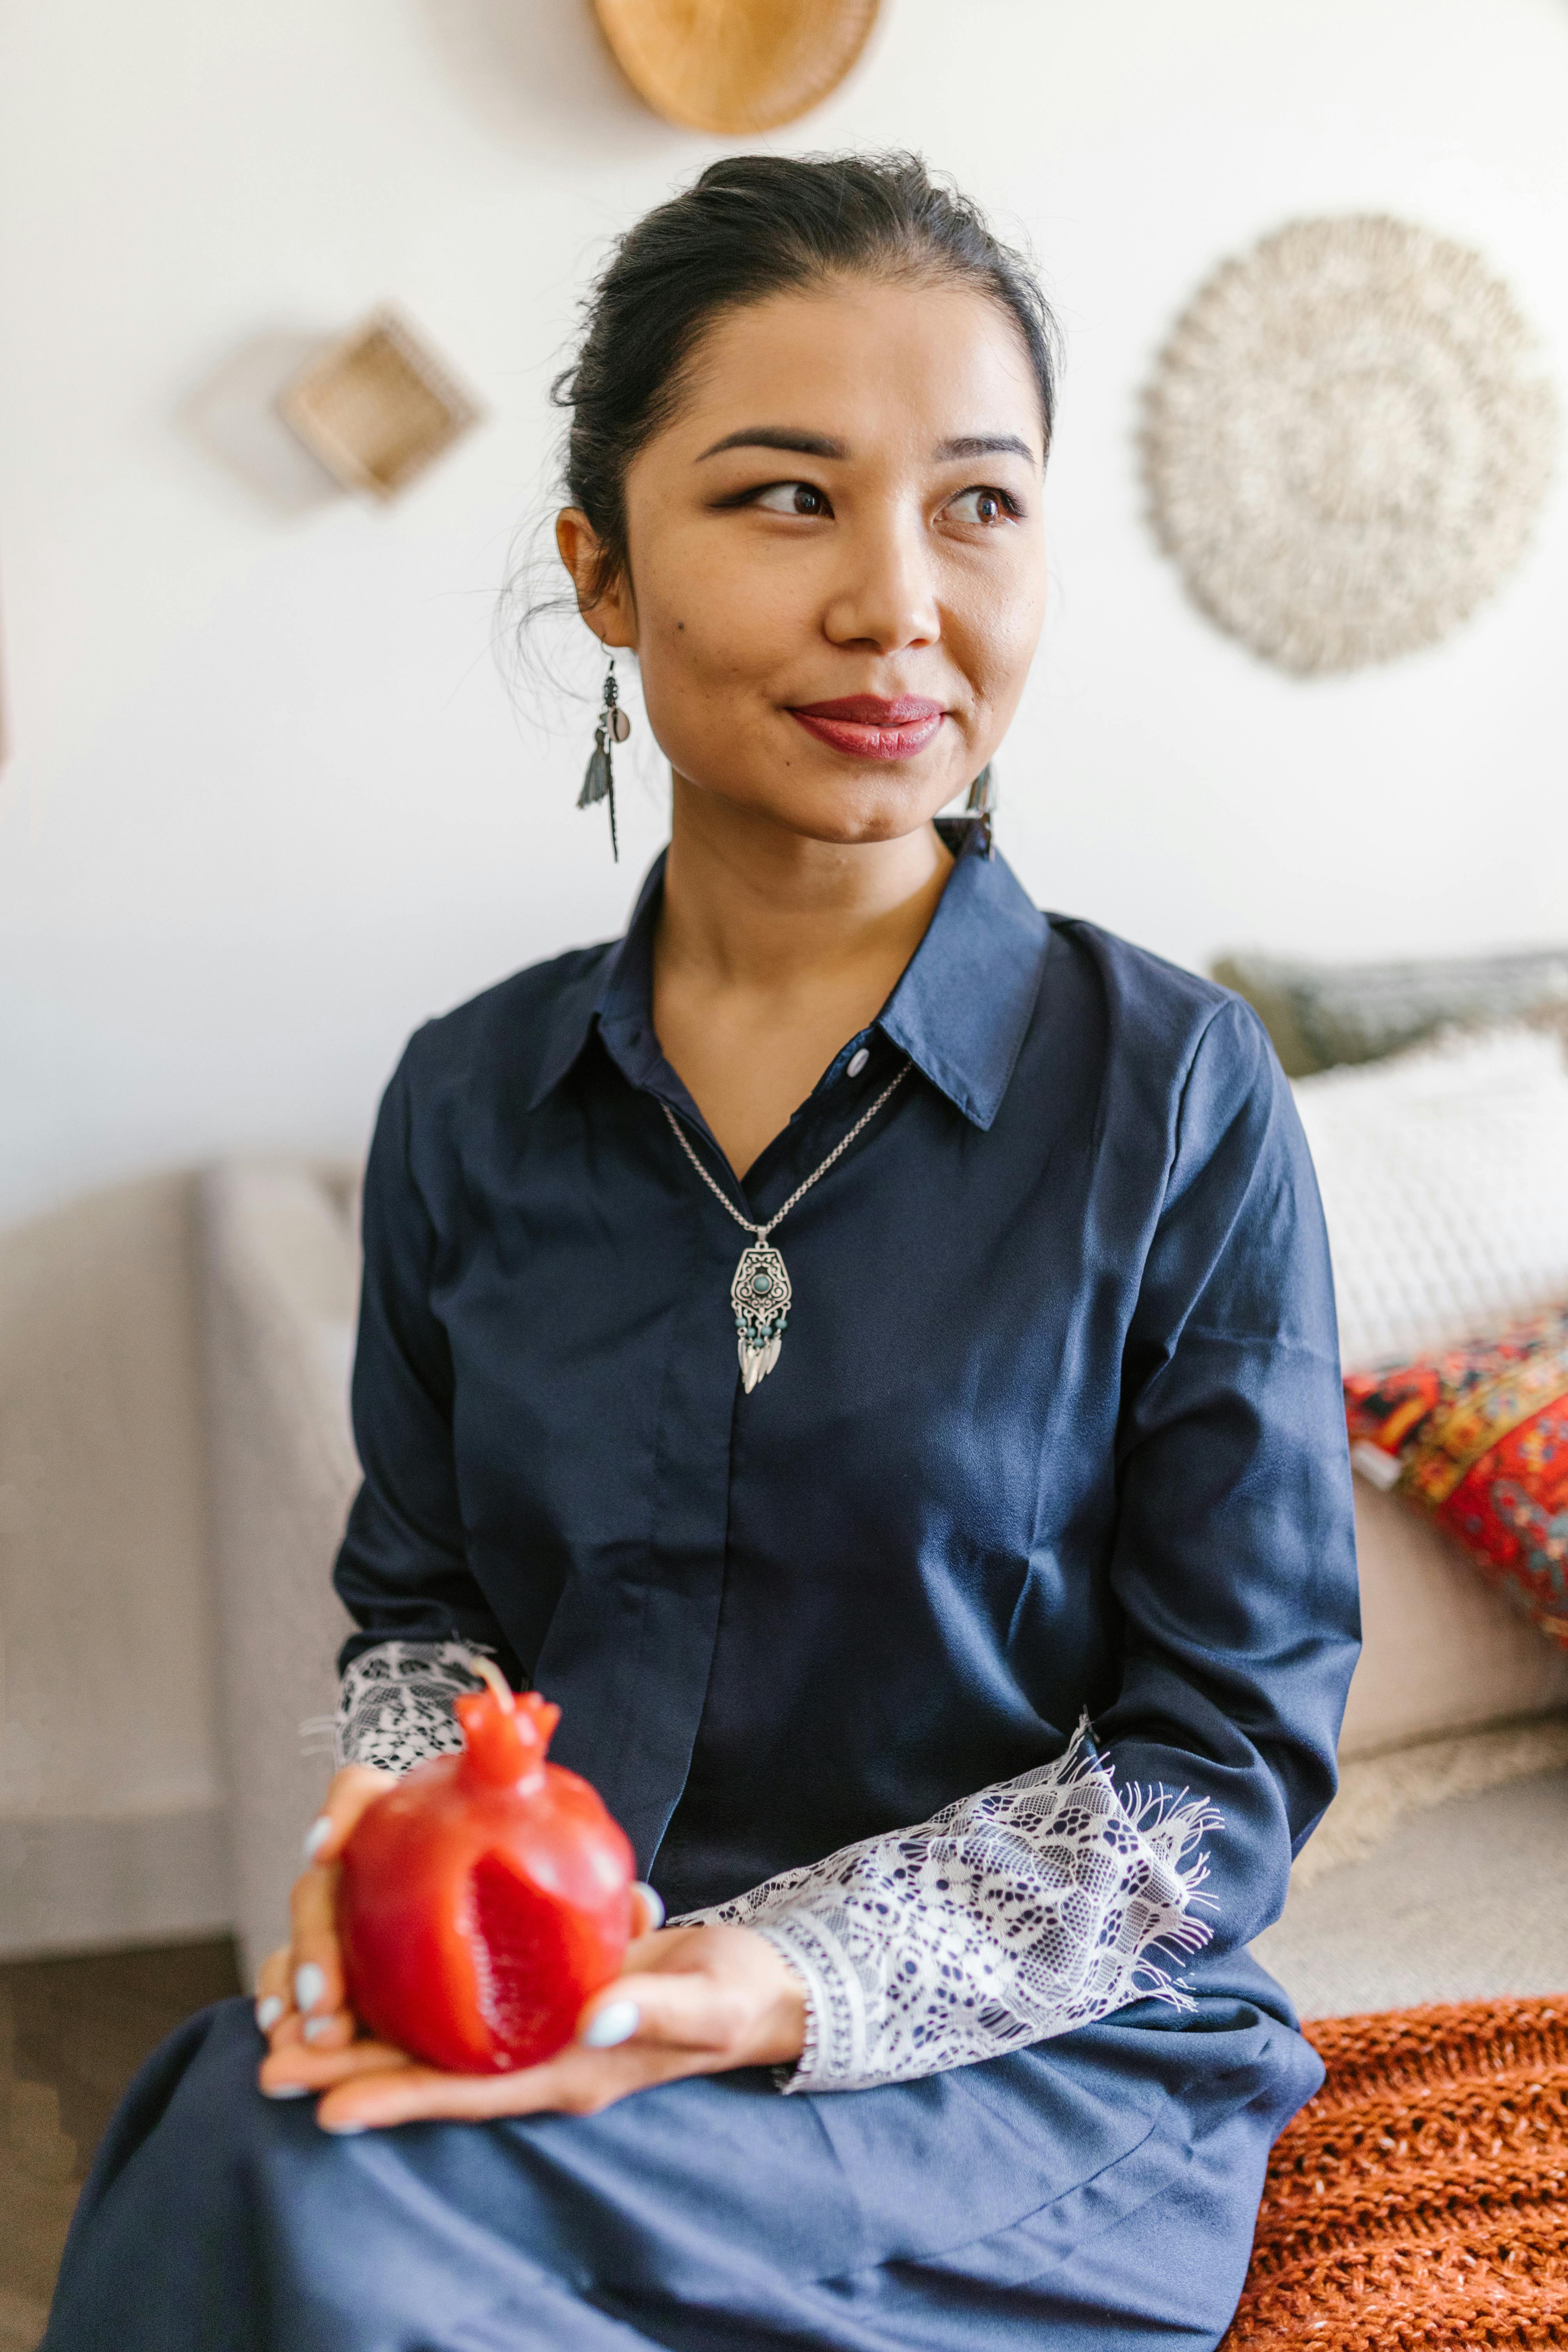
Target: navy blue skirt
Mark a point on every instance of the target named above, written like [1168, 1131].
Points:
[1096, 2190]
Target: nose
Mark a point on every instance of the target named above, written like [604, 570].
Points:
[885, 593]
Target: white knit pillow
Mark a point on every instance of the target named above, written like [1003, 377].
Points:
[1445, 1181]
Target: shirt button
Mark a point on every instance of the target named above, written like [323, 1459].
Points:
[857, 1062]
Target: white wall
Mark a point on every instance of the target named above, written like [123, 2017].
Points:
[269, 804]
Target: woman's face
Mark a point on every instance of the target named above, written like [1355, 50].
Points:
[837, 572]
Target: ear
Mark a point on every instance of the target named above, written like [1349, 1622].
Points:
[611, 615]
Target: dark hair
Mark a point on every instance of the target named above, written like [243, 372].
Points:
[750, 226]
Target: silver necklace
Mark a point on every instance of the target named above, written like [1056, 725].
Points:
[760, 1292]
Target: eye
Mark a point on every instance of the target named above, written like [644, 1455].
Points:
[791, 498]
[984, 505]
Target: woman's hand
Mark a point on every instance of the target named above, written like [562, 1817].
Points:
[691, 2001]
[300, 1993]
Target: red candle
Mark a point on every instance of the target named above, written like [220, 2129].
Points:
[485, 1898]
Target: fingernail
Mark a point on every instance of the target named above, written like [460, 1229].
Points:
[269, 2012]
[287, 2090]
[655, 1902]
[310, 1984]
[617, 2021]
[316, 1836]
[315, 2027]
[344, 2131]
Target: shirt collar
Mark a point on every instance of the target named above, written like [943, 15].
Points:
[963, 1005]
[960, 1011]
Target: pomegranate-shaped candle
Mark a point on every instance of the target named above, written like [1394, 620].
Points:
[486, 1897]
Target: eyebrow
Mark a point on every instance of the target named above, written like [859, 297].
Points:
[780, 437]
[823, 444]
[986, 444]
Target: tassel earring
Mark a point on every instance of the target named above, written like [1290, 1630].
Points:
[983, 798]
[614, 727]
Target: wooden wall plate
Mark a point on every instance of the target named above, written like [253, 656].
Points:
[735, 65]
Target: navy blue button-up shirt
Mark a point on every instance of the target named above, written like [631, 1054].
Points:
[1056, 1422]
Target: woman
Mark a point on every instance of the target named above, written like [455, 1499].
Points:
[1036, 1418]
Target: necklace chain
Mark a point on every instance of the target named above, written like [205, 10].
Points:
[762, 1232]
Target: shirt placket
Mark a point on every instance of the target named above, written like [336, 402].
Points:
[663, 1647]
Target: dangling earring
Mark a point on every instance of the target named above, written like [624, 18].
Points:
[614, 727]
[983, 796]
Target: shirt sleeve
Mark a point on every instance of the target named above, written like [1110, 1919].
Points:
[1233, 1564]
[396, 1704]
[402, 1570]
[1007, 1918]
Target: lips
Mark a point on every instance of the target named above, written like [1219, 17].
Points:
[869, 727]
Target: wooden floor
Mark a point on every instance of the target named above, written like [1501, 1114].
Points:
[72, 2034]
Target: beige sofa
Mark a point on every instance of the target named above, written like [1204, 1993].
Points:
[175, 1463]
[113, 1813]
[281, 1255]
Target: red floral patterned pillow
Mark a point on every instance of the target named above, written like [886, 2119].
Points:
[1477, 1438]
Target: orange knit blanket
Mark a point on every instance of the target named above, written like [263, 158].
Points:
[1417, 2204]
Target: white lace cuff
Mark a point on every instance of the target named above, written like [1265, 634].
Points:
[1009, 1918]
[395, 1702]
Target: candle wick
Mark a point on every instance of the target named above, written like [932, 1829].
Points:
[489, 1672]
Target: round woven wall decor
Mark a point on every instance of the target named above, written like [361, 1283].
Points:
[1346, 441]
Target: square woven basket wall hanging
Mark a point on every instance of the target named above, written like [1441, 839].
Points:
[377, 406]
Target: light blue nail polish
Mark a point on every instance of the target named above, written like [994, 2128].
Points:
[616, 2023]
[315, 2027]
[287, 2090]
[653, 1900]
[269, 2012]
[316, 1837]
[344, 2131]
[310, 1984]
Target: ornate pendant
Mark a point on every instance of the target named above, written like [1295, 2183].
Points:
[760, 1296]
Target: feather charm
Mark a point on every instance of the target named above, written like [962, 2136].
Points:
[599, 782]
